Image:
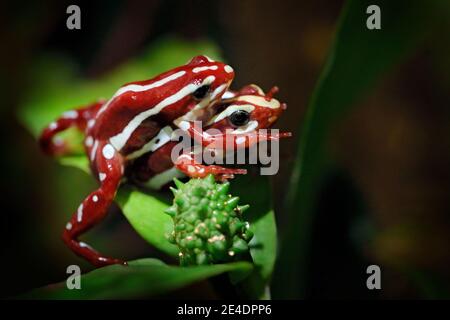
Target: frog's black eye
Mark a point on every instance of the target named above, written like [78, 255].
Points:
[239, 118]
[201, 92]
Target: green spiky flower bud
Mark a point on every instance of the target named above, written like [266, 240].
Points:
[208, 223]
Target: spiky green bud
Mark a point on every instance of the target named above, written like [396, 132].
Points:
[208, 225]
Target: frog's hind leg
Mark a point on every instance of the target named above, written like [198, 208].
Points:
[74, 118]
[109, 167]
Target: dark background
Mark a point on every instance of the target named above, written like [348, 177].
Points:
[385, 200]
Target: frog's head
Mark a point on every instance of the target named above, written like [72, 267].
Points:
[202, 81]
[247, 110]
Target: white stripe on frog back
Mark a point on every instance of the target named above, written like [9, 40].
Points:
[119, 140]
[163, 136]
[200, 69]
[140, 88]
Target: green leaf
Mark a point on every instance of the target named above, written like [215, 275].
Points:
[357, 59]
[145, 212]
[255, 190]
[81, 162]
[142, 278]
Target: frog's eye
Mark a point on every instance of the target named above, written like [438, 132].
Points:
[201, 92]
[239, 118]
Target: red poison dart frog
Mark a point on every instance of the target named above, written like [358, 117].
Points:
[130, 135]
[242, 113]
[236, 122]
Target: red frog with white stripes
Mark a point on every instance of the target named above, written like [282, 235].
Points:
[128, 125]
[129, 136]
[235, 125]
[236, 121]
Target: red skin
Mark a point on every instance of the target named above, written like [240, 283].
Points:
[109, 164]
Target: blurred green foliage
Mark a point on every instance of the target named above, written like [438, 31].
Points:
[356, 60]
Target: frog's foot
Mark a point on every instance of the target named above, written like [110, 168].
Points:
[95, 206]
[224, 141]
[186, 164]
[51, 145]
[87, 252]
[73, 118]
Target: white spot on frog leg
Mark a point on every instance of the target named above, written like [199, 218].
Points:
[91, 123]
[84, 245]
[108, 151]
[69, 226]
[102, 176]
[95, 198]
[89, 141]
[94, 150]
[191, 169]
[53, 125]
[72, 114]
[228, 69]
[80, 213]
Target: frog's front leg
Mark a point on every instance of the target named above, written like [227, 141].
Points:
[237, 140]
[186, 163]
[109, 166]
